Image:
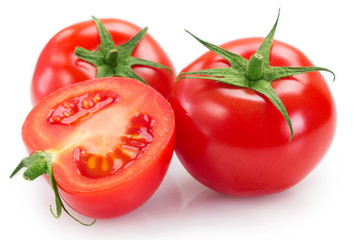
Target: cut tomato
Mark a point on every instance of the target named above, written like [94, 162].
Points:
[110, 140]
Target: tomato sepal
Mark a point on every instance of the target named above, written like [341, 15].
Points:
[255, 74]
[111, 60]
[38, 164]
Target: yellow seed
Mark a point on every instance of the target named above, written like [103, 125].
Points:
[104, 165]
[134, 136]
[67, 114]
[86, 104]
[92, 162]
[96, 98]
[57, 119]
[131, 153]
[67, 105]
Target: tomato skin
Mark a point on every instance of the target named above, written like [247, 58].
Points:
[58, 66]
[235, 141]
[123, 191]
[124, 198]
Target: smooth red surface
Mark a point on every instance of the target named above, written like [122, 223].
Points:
[119, 192]
[235, 141]
[58, 66]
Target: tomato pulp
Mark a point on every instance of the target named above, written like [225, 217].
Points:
[111, 141]
[235, 141]
[58, 66]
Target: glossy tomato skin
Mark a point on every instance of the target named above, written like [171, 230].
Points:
[58, 66]
[125, 190]
[235, 141]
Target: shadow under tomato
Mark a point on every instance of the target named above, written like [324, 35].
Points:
[165, 203]
[208, 207]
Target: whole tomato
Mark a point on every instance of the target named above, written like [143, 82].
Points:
[248, 127]
[106, 48]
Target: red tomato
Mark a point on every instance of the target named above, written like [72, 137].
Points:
[111, 141]
[58, 66]
[235, 141]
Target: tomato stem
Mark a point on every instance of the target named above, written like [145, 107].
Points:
[111, 60]
[112, 57]
[40, 163]
[255, 67]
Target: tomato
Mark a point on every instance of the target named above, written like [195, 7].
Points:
[234, 139]
[58, 66]
[109, 140]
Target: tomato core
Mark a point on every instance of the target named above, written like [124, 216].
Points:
[135, 141]
[73, 110]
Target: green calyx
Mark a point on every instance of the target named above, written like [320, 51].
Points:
[40, 163]
[255, 74]
[111, 60]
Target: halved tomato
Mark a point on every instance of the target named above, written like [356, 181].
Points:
[110, 141]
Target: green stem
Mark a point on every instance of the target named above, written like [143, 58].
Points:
[40, 163]
[111, 60]
[112, 57]
[255, 67]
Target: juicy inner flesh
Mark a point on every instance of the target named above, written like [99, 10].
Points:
[105, 140]
[131, 145]
[72, 111]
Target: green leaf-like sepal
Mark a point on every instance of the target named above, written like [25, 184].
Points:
[255, 74]
[111, 60]
[40, 163]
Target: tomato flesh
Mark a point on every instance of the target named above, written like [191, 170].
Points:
[128, 150]
[73, 110]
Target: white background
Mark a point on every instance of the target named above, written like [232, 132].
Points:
[325, 204]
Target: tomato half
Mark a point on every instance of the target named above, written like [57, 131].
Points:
[111, 141]
[235, 141]
[58, 66]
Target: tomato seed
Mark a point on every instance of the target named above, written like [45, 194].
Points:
[72, 111]
[130, 147]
